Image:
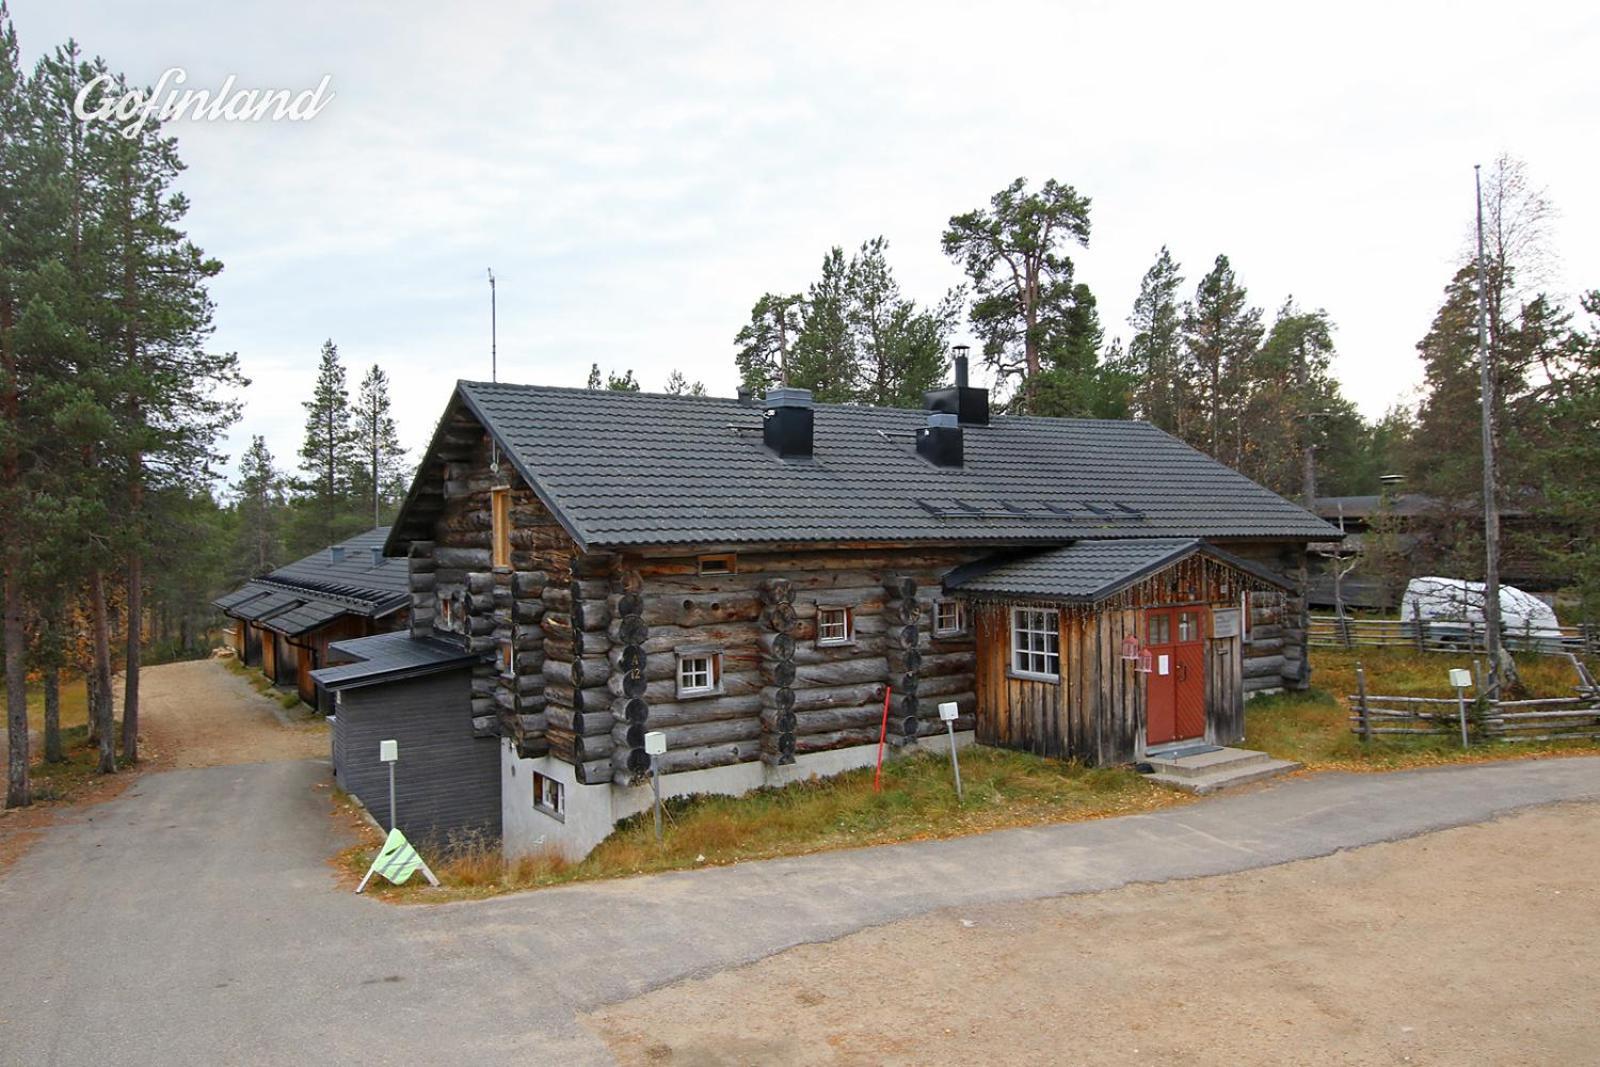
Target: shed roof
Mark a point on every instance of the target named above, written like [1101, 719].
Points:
[621, 469]
[390, 657]
[1090, 571]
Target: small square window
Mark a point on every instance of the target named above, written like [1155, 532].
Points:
[835, 626]
[549, 795]
[699, 673]
[949, 617]
[722, 563]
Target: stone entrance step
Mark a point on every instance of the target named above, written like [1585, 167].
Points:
[1208, 772]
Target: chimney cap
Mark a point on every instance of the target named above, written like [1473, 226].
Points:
[336, 553]
[788, 396]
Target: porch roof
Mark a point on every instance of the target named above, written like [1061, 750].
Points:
[390, 657]
[1086, 572]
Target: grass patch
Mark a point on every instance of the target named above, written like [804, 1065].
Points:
[63, 781]
[74, 704]
[1003, 789]
[1313, 728]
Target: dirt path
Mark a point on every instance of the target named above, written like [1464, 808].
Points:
[1474, 945]
[200, 714]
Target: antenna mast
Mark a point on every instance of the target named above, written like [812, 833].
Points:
[494, 369]
[1491, 508]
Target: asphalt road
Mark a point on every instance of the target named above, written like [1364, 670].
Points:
[195, 920]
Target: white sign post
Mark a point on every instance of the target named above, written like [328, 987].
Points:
[1462, 681]
[655, 745]
[948, 712]
[389, 752]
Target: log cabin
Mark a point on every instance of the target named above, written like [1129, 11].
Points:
[771, 583]
[284, 621]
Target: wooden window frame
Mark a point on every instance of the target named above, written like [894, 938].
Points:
[717, 563]
[849, 635]
[556, 810]
[959, 607]
[1027, 624]
[508, 658]
[712, 672]
[500, 519]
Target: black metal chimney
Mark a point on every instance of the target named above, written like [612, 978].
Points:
[787, 424]
[970, 406]
[940, 442]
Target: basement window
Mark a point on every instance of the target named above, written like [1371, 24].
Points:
[699, 673]
[1036, 643]
[722, 563]
[500, 501]
[949, 618]
[835, 626]
[549, 795]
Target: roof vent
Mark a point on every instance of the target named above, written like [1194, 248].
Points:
[336, 554]
[939, 442]
[969, 405]
[377, 555]
[786, 425]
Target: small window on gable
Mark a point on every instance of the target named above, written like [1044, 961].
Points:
[699, 673]
[835, 625]
[1036, 643]
[721, 563]
[949, 617]
[500, 500]
[549, 795]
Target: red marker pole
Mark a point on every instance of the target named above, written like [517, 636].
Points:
[883, 734]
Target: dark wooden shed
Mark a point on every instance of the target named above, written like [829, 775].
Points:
[1107, 650]
[417, 693]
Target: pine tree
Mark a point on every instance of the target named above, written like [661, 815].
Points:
[384, 466]
[260, 495]
[1025, 293]
[1155, 354]
[1221, 333]
[764, 343]
[330, 452]
[678, 385]
[824, 355]
[899, 347]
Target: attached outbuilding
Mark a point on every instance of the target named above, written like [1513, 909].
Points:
[417, 693]
[1108, 651]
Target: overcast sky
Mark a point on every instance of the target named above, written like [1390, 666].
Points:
[638, 175]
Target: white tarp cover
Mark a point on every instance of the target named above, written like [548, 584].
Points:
[1458, 600]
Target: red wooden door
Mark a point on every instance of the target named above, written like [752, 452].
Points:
[1175, 703]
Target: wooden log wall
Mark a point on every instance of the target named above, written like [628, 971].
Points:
[497, 605]
[1275, 655]
[782, 694]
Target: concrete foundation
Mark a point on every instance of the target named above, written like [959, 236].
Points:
[593, 811]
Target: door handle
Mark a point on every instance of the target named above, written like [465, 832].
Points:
[1182, 671]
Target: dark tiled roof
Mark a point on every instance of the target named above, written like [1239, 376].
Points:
[389, 657]
[1088, 571]
[632, 468]
[314, 591]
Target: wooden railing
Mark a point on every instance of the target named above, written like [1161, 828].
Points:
[1330, 631]
[1547, 719]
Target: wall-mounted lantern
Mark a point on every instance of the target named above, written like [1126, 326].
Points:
[1130, 649]
[1146, 662]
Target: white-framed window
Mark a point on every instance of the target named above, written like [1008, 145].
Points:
[549, 795]
[835, 626]
[1036, 643]
[699, 672]
[949, 617]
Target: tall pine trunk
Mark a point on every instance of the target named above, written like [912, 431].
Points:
[104, 715]
[130, 681]
[53, 751]
[18, 792]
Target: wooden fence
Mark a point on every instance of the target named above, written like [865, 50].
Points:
[1550, 719]
[1330, 631]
